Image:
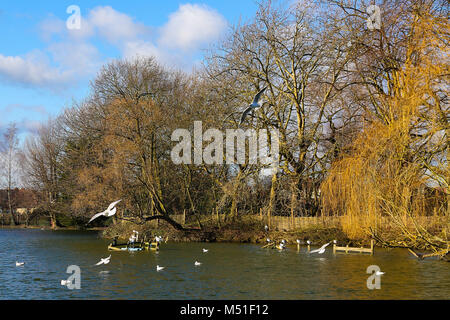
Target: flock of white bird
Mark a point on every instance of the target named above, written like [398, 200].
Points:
[111, 210]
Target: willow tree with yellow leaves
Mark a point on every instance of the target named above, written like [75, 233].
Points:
[393, 184]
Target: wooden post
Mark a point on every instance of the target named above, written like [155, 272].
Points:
[298, 247]
[184, 217]
[346, 251]
[334, 247]
[268, 217]
[371, 246]
[260, 214]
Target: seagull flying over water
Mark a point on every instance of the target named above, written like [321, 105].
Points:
[205, 250]
[197, 263]
[379, 273]
[103, 261]
[254, 105]
[108, 212]
[158, 268]
[321, 249]
[19, 264]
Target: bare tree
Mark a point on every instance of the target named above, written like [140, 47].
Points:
[42, 165]
[9, 153]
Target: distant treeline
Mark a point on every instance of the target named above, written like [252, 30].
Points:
[21, 198]
[362, 116]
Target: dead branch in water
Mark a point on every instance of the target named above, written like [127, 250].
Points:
[172, 222]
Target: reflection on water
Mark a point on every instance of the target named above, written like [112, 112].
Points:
[228, 271]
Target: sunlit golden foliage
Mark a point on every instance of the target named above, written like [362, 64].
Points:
[402, 151]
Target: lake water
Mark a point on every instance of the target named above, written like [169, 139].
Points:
[228, 271]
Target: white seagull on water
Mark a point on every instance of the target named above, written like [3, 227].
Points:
[321, 249]
[158, 268]
[254, 105]
[205, 250]
[108, 212]
[379, 273]
[103, 261]
[65, 282]
[19, 264]
[197, 263]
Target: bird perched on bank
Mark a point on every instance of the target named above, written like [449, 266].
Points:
[254, 105]
[205, 250]
[110, 211]
[266, 227]
[103, 261]
[197, 263]
[158, 268]
[298, 241]
[268, 240]
[321, 249]
[19, 264]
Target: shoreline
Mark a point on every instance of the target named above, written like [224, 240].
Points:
[56, 229]
[233, 233]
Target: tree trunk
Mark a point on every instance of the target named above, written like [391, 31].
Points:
[13, 221]
[272, 193]
[53, 221]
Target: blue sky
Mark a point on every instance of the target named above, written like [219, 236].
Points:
[44, 66]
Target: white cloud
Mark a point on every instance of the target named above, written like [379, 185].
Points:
[115, 26]
[31, 69]
[69, 62]
[79, 57]
[192, 26]
[132, 49]
[71, 54]
[105, 22]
